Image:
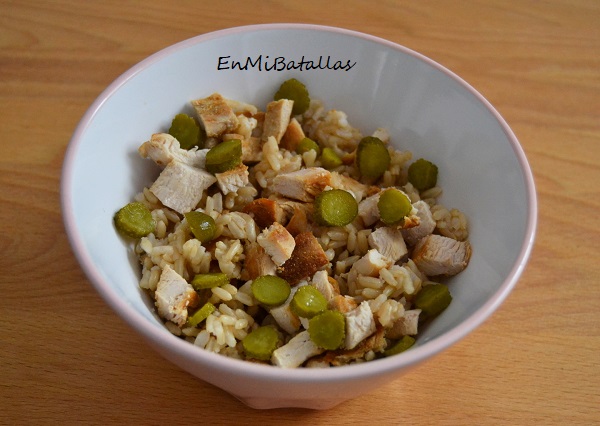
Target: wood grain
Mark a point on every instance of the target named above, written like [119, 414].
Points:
[65, 358]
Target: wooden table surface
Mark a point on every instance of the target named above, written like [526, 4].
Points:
[66, 358]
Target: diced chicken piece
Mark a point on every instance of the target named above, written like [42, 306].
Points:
[295, 352]
[290, 206]
[292, 136]
[260, 122]
[425, 227]
[239, 107]
[408, 325]
[231, 136]
[369, 265]
[285, 317]
[265, 212]
[334, 284]
[216, 115]
[232, 180]
[181, 187]
[357, 189]
[277, 118]
[368, 210]
[308, 257]
[342, 303]
[305, 322]
[173, 296]
[251, 150]
[388, 242]
[303, 184]
[277, 242]
[257, 262]
[360, 324]
[321, 282]
[438, 255]
[299, 222]
[163, 148]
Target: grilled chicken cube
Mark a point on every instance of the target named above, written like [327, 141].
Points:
[173, 296]
[265, 212]
[292, 136]
[277, 242]
[425, 227]
[295, 352]
[360, 324]
[251, 150]
[368, 210]
[303, 184]
[216, 115]
[438, 255]
[277, 118]
[162, 148]
[180, 186]
[243, 108]
[342, 303]
[388, 242]
[307, 258]
[232, 180]
[369, 265]
[257, 262]
[299, 222]
[407, 325]
[260, 122]
[321, 282]
[285, 317]
[290, 206]
[357, 189]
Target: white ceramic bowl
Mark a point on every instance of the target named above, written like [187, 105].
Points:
[427, 109]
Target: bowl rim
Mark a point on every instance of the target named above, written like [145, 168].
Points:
[191, 353]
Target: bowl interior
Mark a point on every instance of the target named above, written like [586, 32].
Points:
[426, 109]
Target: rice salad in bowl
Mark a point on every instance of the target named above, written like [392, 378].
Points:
[276, 235]
[280, 234]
